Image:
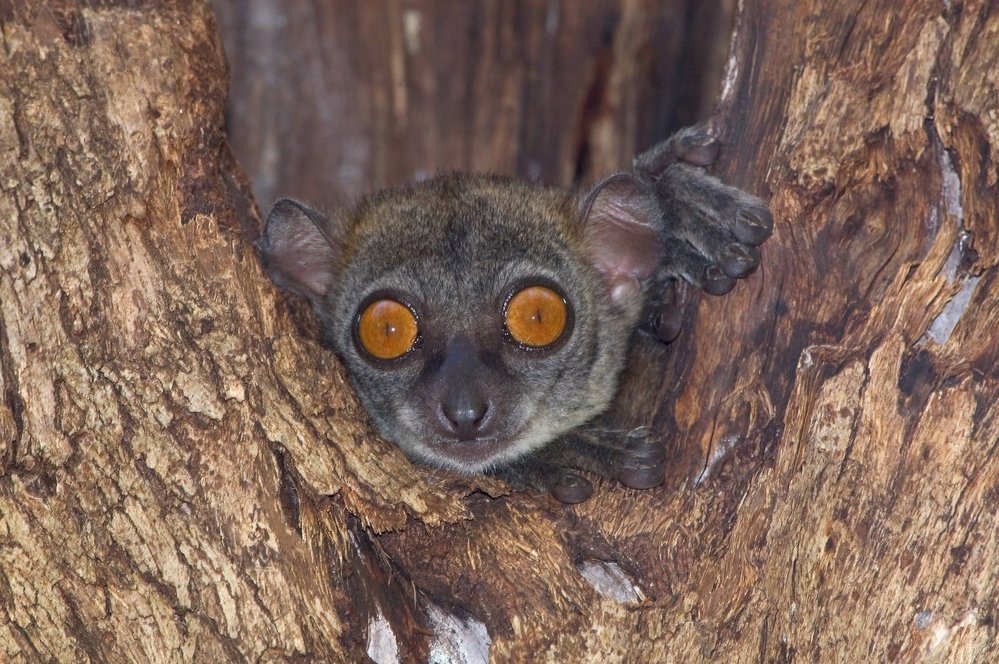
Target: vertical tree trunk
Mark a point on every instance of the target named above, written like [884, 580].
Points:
[184, 475]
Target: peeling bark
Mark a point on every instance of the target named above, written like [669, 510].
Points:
[185, 476]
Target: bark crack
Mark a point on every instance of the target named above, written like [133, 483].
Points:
[17, 119]
[958, 267]
[12, 398]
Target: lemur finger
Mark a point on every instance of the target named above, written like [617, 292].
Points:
[699, 265]
[739, 260]
[715, 282]
[667, 317]
[634, 458]
[571, 488]
[754, 224]
[547, 474]
[643, 463]
[691, 199]
[643, 478]
[694, 145]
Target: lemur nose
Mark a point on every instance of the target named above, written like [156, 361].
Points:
[464, 412]
[464, 403]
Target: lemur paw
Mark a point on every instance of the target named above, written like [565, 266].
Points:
[694, 145]
[711, 230]
[634, 458]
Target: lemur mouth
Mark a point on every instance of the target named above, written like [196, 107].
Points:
[474, 453]
[472, 449]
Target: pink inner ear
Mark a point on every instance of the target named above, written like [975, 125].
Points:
[296, 252]
[305, 258]
[622, 234]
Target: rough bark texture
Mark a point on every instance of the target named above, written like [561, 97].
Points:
[184, 475]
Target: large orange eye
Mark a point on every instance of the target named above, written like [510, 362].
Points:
[536, 316]
[386, 329]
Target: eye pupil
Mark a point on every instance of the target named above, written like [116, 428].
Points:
[386, 329]
[536, 316]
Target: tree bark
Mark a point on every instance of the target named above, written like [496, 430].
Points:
[185, 476]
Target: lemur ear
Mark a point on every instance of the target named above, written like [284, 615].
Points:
[297, 251]
[622, 233]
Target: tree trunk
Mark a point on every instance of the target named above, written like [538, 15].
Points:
[185, 476]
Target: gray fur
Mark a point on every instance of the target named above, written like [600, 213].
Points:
[454, 248]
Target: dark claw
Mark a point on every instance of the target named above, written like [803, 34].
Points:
[756, 225]
[716, 282]
[571, 488]
[739, 260]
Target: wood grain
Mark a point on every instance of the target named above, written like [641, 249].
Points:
[333, 100]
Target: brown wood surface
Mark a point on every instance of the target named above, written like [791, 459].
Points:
[332, 100]
[184, 475]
